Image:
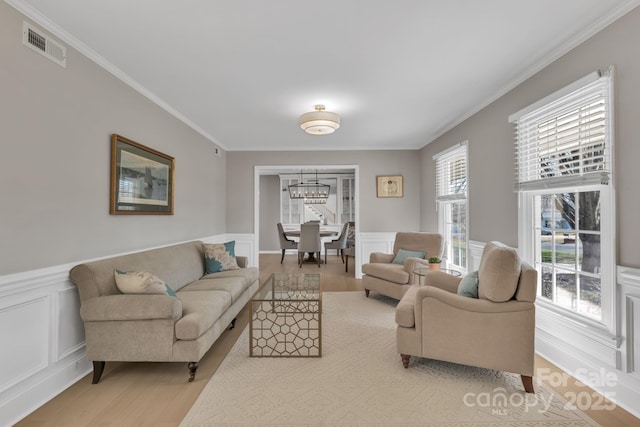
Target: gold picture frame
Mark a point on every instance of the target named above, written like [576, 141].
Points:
[389, 186]
[141, 179]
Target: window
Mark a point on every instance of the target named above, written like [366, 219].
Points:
[564, 168]
[451, 194]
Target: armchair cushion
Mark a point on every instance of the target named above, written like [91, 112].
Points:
[468, 286]
[499, 272]
[403, 254]
[392, 272]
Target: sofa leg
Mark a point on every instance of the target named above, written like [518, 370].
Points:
[527, 382]
[233, 323]
[98, 369]
[366, 292]
[405, 360]
[193, 367]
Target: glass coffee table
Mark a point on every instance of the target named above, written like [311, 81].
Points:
[287, 320]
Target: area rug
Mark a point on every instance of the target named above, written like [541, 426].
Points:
[360, 381]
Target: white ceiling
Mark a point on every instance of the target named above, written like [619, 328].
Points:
[399, 72]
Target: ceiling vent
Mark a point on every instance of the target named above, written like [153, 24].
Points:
[42, 43]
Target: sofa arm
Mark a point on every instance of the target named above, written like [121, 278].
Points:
[468, 304]
[380, 257]
[130, 307]
[442, 280]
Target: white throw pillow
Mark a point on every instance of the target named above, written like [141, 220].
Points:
[141, 282]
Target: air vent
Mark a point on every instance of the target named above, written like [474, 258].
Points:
[42, 43]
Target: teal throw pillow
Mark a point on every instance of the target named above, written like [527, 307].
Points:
[404, 254]
[220, 257]
[141, 282]
[468, 286]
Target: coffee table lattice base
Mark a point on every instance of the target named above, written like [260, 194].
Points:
[286, 328]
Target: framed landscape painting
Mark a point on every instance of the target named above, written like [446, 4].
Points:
[141, 179]
[390, 186]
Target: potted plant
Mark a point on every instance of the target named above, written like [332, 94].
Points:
[434, 263]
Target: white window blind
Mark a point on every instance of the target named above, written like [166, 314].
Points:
[566, 141]
[451, 173]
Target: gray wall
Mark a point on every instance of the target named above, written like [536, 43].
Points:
[492, 202]
[376, 214]
[55, 127]
[269, 212]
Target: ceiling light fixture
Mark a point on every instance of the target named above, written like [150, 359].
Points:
[319, 122]
[313, 191]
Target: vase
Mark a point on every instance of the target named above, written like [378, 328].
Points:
[434, 266]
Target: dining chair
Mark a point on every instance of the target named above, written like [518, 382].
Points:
[338, 244]
[285, 242]
[309, 242]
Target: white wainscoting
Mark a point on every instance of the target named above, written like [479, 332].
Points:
[366, 243]
[42, 334]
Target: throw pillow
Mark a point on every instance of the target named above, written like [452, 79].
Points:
[141, 282]
[404, 254]
[468, 286]
[220, 257]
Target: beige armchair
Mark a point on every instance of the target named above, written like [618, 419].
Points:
[393, 279]
[494, 331]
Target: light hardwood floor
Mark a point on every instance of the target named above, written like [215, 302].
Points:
[158, 394]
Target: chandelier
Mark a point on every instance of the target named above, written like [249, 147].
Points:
[319, 122]
[313, 192]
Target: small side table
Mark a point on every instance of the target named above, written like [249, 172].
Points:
[421, 272]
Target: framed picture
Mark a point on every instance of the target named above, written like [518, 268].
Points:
[141, 179]
[390, 186]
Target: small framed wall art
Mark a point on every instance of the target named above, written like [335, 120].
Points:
[389, 186]
[141, 179]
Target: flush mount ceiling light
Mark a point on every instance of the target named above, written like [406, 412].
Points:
[319, 122]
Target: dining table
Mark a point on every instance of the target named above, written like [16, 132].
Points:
[323, 233]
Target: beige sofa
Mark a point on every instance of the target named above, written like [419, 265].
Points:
[494, 331]
[382, 275]
[160, 328]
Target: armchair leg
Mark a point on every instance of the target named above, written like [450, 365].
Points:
[405, 360]
[193, 367]
[366, 292]
[282, 259]
[98, 369]
[320, 259]
[527, 382]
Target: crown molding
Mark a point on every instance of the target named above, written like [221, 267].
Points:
[561, 50]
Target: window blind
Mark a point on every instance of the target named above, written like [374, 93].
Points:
[566, 141]
[451, 173]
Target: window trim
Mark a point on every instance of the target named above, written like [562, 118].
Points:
[526, 214]
[447, 199]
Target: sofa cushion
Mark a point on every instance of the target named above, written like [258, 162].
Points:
[405, 310]
[468, 286]
[200, 310]
[141, 282]
[234, 285]
[391, 272]
[404, 254]
[249, 274]
[498, 273]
